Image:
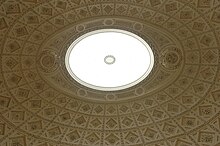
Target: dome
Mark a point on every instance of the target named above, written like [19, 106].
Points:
[50, 47]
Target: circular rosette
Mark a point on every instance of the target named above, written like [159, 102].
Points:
[48, 61]
[171, 58]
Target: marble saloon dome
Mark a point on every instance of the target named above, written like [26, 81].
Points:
[109, 73]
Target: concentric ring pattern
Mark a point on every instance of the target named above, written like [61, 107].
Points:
[178, 104]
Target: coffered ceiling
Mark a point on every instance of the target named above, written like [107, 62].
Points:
[178, 104]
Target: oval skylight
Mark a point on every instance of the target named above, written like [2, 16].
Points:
[109, 59]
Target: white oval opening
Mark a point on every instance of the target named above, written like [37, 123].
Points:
[109, 59]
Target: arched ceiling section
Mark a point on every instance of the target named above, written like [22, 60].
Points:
[178, 104]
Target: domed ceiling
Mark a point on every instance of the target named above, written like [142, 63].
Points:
[178, 104]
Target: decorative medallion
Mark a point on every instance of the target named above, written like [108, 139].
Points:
[48, 61]
[171, 58]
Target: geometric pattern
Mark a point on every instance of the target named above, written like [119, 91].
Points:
[178, 104]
